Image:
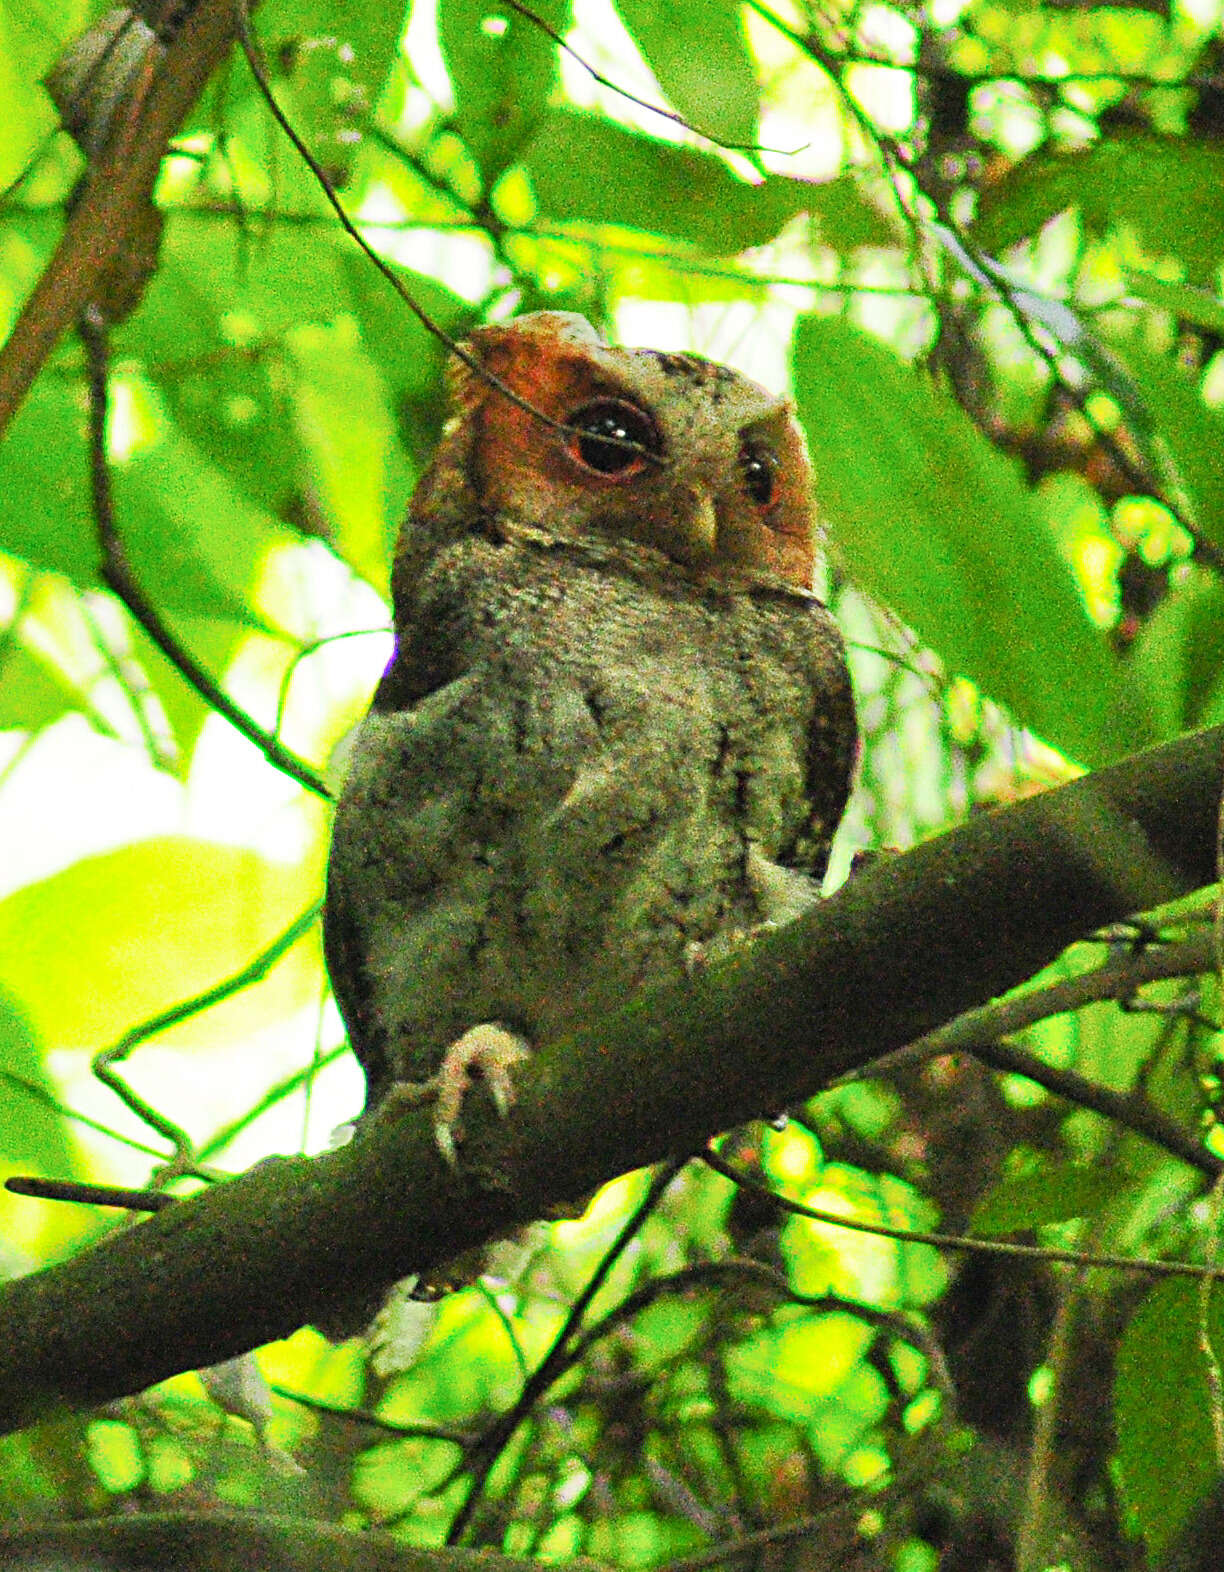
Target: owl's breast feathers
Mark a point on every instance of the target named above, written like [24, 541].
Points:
[578, 766]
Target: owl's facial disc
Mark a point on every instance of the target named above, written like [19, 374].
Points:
[705, 513]
[615, 443]
[667, 451]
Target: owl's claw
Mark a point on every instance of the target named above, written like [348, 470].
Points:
[491, 1050]
[699, 954]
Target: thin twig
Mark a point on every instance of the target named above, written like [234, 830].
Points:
[184, 1159]
[47, 1099]
[259, 71]
[89, 1194]
[117, 573]
[632, 98]
[980, 1033]
[559, 1356]
[276, 1093]
[312, 648]
[1113, 1263]
[1144, 481]
[895, 158]
[706, 1273]
[137, 702]
[817, 1527]
[364, 1416]
[930, 70]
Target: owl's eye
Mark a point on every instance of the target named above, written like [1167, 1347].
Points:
[612, 438]
[760, 469]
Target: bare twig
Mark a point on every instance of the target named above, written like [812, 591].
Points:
[89, 1194]
[118, 576]
[184, 1157]
[981, 1033]
[1078, 1258]
[559, 1357]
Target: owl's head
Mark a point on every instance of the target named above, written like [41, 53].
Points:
[668, 451]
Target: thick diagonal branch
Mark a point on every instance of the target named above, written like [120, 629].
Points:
[116, 192]
[913, 942]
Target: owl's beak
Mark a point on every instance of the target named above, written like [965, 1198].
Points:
[699, 526]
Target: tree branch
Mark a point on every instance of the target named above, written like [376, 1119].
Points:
[115, 193]
[1150, 1266]
[209, 1541]
[981, 1033]
[904, 947]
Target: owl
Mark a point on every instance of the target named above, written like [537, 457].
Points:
[617, 732]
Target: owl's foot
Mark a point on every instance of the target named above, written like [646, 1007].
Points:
[782, 894]
[488, 1050]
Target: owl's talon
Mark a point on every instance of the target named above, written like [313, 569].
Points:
[699, 954]
[444, 1135]
[488, 1049]
[502, 1093]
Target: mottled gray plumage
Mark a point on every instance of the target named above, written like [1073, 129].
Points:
[617, 725]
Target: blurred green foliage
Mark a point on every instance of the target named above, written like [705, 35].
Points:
[983, 241]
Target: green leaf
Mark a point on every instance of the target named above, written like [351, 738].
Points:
[344, 421]
[92, 951]
[45, 1467]
[786, 1369]
[698, 53]
[205, 319]
[846, 217]
[32, 1135]
[231, 335]
[215, 290]
[1170, 192]
[34, 691]
[368, 36]
[941, 527]
[28, 112]
[1162, 1410]
[412, 360]
[1189, 434]
[1051, 1194]
[194, 539]
[503, 69]
[44, 503]
[1178, 658]
[116, 1456]
[587, 170]
[1191, 305]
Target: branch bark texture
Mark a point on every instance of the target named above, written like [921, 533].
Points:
[115, 194]
[227, 1541]
[901, 949]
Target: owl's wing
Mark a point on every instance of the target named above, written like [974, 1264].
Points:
[406, 889]
[831, 752]
[350, 982]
